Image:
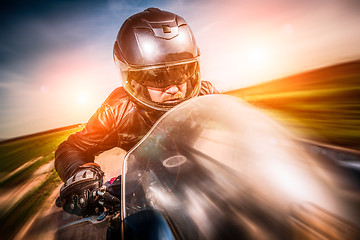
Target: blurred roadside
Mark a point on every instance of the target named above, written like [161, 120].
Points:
[321, 105]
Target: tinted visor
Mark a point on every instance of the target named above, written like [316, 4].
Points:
[163, 77]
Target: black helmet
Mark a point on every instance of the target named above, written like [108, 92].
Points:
[156, 49]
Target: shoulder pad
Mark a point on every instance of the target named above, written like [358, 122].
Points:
[118, 96]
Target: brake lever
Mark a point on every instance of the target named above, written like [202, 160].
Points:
[92, 219]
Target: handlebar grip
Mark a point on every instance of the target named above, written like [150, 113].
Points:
[111, 199]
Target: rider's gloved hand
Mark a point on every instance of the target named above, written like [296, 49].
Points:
[78, 194]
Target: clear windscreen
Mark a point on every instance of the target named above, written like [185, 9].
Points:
[215, 167]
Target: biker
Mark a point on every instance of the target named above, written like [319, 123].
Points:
[158, 61]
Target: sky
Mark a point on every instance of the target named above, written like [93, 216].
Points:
[56, 65]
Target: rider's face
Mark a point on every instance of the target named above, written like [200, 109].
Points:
[170, 94]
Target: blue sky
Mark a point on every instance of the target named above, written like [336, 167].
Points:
[56, 56]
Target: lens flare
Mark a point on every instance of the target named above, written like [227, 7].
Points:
[82, 98]
[257, 55]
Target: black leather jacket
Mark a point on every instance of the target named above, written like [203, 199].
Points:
[117, 123]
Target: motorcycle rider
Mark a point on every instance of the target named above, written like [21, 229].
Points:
[158, 61]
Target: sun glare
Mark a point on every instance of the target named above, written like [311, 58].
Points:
[82, 98]
[257, 55]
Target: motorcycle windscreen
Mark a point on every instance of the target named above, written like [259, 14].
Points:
[216, 168]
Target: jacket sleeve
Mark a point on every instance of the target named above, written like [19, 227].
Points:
[207, 88]
[98, 135]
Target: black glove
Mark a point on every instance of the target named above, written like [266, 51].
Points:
[78, 194]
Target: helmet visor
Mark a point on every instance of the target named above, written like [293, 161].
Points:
[138, 80]
[163, 77]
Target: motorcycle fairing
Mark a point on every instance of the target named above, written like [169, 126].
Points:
[216, 168]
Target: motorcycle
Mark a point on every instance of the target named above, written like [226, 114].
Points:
[214, 167]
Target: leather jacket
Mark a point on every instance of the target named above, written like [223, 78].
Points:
[119, 122]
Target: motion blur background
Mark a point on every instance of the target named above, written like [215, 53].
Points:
[298, 61]
[56, 65]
